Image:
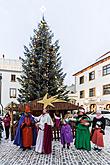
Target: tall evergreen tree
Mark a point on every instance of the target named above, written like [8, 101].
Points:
[42, 72]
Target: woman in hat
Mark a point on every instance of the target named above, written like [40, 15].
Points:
[97, 132]
[82, 136]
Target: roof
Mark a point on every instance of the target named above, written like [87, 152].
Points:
[58, 106]
[101, 59]
[10, 65]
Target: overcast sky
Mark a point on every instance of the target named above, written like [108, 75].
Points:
[81, 26]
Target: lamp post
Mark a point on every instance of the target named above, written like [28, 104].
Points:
[12, 107]
[11, 126]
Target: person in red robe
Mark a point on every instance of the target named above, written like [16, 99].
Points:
[97, 132]
[26, 127]
[47, 143]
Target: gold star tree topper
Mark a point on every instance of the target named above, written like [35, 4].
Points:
[48, 101]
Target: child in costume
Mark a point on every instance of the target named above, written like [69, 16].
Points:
[66, 133]
[57, 127]
[97, 132]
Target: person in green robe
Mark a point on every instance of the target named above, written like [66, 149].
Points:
[82, 136]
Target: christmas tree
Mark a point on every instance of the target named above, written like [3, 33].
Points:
[42, 72]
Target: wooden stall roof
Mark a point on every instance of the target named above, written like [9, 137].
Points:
[58, 106]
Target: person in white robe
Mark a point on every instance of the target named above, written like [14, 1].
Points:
[43, 119]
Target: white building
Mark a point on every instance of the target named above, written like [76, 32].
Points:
[93, 84]
[72, 94]
[9, 71]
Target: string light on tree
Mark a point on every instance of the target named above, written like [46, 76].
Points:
[42, 71]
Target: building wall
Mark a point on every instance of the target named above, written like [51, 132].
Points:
[7, 68]
[98, 82]
[72, 94]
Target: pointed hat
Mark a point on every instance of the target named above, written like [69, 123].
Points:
[27, 108]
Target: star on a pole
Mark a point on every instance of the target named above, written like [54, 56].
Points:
[48, 101]
[43, 9]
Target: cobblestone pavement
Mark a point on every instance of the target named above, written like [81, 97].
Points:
[13, 155]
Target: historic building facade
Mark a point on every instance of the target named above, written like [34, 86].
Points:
[72, 95]
[9, 71]
[93, 84]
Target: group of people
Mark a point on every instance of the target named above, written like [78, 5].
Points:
[37, 131]
[83, 135]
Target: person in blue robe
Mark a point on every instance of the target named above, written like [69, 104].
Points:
[18, 135]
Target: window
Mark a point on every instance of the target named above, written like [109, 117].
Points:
[106, 70]
[81, 80]
[12, 92]
[91, 75]
[93, 108]
[106, 89]
[13, 77]
[91, 92]
[108, 106]
[82, 94]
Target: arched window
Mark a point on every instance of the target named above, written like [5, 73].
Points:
[108, 106]
[93, 107]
